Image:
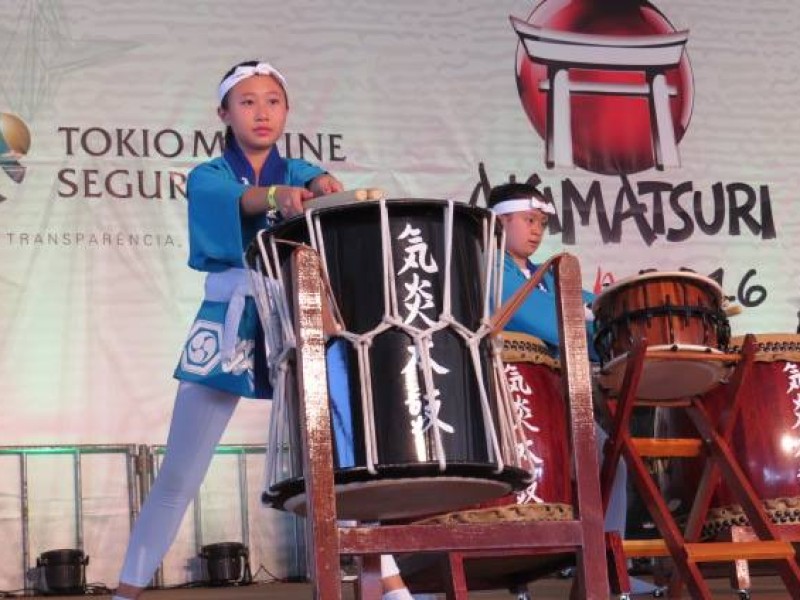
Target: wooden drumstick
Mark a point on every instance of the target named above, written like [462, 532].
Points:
[376, 194]
[338, 199]
[355, 195]
[732, 310]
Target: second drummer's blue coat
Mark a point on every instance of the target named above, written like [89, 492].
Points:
[537, 316]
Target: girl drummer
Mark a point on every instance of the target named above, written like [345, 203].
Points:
[230, 199]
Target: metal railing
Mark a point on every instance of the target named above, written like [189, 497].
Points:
[141, 467]
[133, 475]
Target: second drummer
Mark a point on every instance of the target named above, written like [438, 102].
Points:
[524, 213]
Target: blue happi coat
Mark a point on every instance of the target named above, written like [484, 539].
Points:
[537, 316]
[219, 233]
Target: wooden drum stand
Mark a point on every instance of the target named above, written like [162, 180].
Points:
[327, 542]
[714, 444]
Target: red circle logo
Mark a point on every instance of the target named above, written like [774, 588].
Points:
[609, 55]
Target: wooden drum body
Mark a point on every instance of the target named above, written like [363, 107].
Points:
[765, 441]
[673, 311]
[534, 383]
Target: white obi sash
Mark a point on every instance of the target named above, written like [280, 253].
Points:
[231, 286]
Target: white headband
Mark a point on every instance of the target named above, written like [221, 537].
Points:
[243, 72]
[522, 204]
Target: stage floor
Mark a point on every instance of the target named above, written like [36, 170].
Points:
[764, 588]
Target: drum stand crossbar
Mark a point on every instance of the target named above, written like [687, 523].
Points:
[582, 536]
[685, 549]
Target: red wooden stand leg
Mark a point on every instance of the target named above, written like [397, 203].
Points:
[369, 585]
[621, 444]
[321, 529]
[591, 573]
[456, 580]
[711, 476]
[619, 580]
[740, 573]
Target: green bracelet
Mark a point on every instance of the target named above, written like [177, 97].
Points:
[272, 204]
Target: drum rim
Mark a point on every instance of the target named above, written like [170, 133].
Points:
[677, 347]
[609, 376]
[504, 513]
[515, 477]
[367, 204]
[532, 346]
[628, 281]
[510, 336]
[770, 347]
[293, 492]
[765, 338]
[251, 251]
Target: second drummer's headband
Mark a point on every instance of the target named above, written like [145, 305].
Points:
[522, 204]
[515, 197]
[245, 71]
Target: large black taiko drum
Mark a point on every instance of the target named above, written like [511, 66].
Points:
[417, 422]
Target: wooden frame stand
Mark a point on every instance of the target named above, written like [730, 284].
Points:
[582, 536]
[685, 548]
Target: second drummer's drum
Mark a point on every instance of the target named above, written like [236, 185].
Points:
[534, 383]
[418, 418]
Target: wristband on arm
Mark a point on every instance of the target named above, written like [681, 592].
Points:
[272, 203]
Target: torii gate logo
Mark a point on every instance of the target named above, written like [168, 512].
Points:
[15, 141]
[606, 83]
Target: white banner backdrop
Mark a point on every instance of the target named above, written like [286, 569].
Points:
[118, 101]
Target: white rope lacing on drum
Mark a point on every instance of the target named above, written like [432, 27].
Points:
[486, 267]
[266, 313]
[500, 270]
[279, 341]
[514, 438]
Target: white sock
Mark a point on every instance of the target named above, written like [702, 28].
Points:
[388, 566]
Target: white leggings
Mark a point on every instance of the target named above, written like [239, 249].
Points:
[199, 418]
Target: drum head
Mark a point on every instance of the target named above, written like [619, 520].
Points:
[390, 495]
[400, 499]
[668, 379]
[521, 347]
